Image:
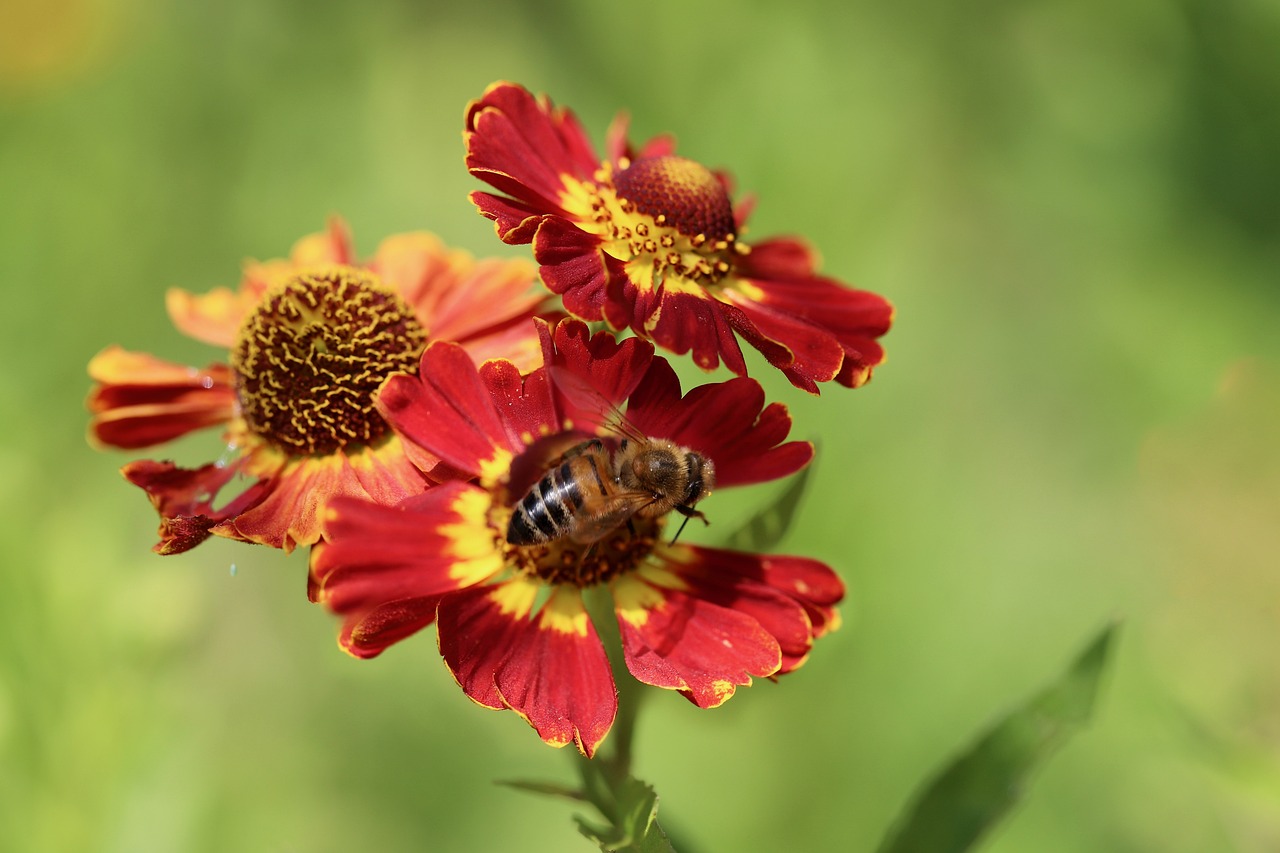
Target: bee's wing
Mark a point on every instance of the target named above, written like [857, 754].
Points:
[610, 514]
[582, 396]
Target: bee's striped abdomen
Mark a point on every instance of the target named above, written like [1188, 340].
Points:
[547, 512]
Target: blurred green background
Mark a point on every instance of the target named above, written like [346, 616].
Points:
[1075, 206]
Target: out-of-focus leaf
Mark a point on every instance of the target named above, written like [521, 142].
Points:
[764, 529]
[972, 794]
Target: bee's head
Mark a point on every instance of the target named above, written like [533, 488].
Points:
[702, 477]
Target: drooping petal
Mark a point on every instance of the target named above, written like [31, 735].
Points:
[551, 670]
[684, 317]
[793, 598]
[369, 634]
[676, 640]
[574, 266]
[184, 498]
[777, 285]
[290, 513]
[557, 677]
[447, 410]
[813, 353]
[429, 545]
[726, 421]
[142, 400]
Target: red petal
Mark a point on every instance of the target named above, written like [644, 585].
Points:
[552, 670]
[184, 499]
[142, 401]
[680, 642]
[514, 222]
[291, 510]
[793, 598]
[557, 675]
[429, 545]
[815, 353]
[575, 266]
[477, 627]
[726, 421]
[783, 295]
[607, 370]
[369, 634]
[694, 321]
[447, 410]
[524, 402]
[525, 147]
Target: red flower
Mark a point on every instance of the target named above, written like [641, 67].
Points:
[512, 625]
[311, 339]
[649, 240]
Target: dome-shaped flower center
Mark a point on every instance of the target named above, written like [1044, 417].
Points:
[311, 356]
[687, 194]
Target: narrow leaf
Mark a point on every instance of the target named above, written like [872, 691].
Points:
[968, 798]
[767, 527]
[550, 789]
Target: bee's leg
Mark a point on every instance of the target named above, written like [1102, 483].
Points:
[594, 444]
[582, 559]
[688, 512]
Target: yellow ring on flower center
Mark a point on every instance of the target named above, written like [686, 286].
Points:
[666, 217]
[313, 353]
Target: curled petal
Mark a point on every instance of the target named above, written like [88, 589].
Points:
[793, 598]
[574, 265]
[368, 634]
[184, 499]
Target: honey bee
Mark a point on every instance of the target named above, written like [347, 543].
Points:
[595, 489]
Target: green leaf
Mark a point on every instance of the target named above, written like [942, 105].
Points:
[550, 789]
[764, 529]
[969, 797]
[631, 807]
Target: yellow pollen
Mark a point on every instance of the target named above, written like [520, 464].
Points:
[310, 357]
[668, 218]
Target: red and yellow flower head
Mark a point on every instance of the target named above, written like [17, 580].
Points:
[310, 341]
[648, 240]
[511, 620]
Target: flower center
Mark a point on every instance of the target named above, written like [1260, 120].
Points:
[564, 561]
[686, 193]
[311, 356]
[665, 216]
